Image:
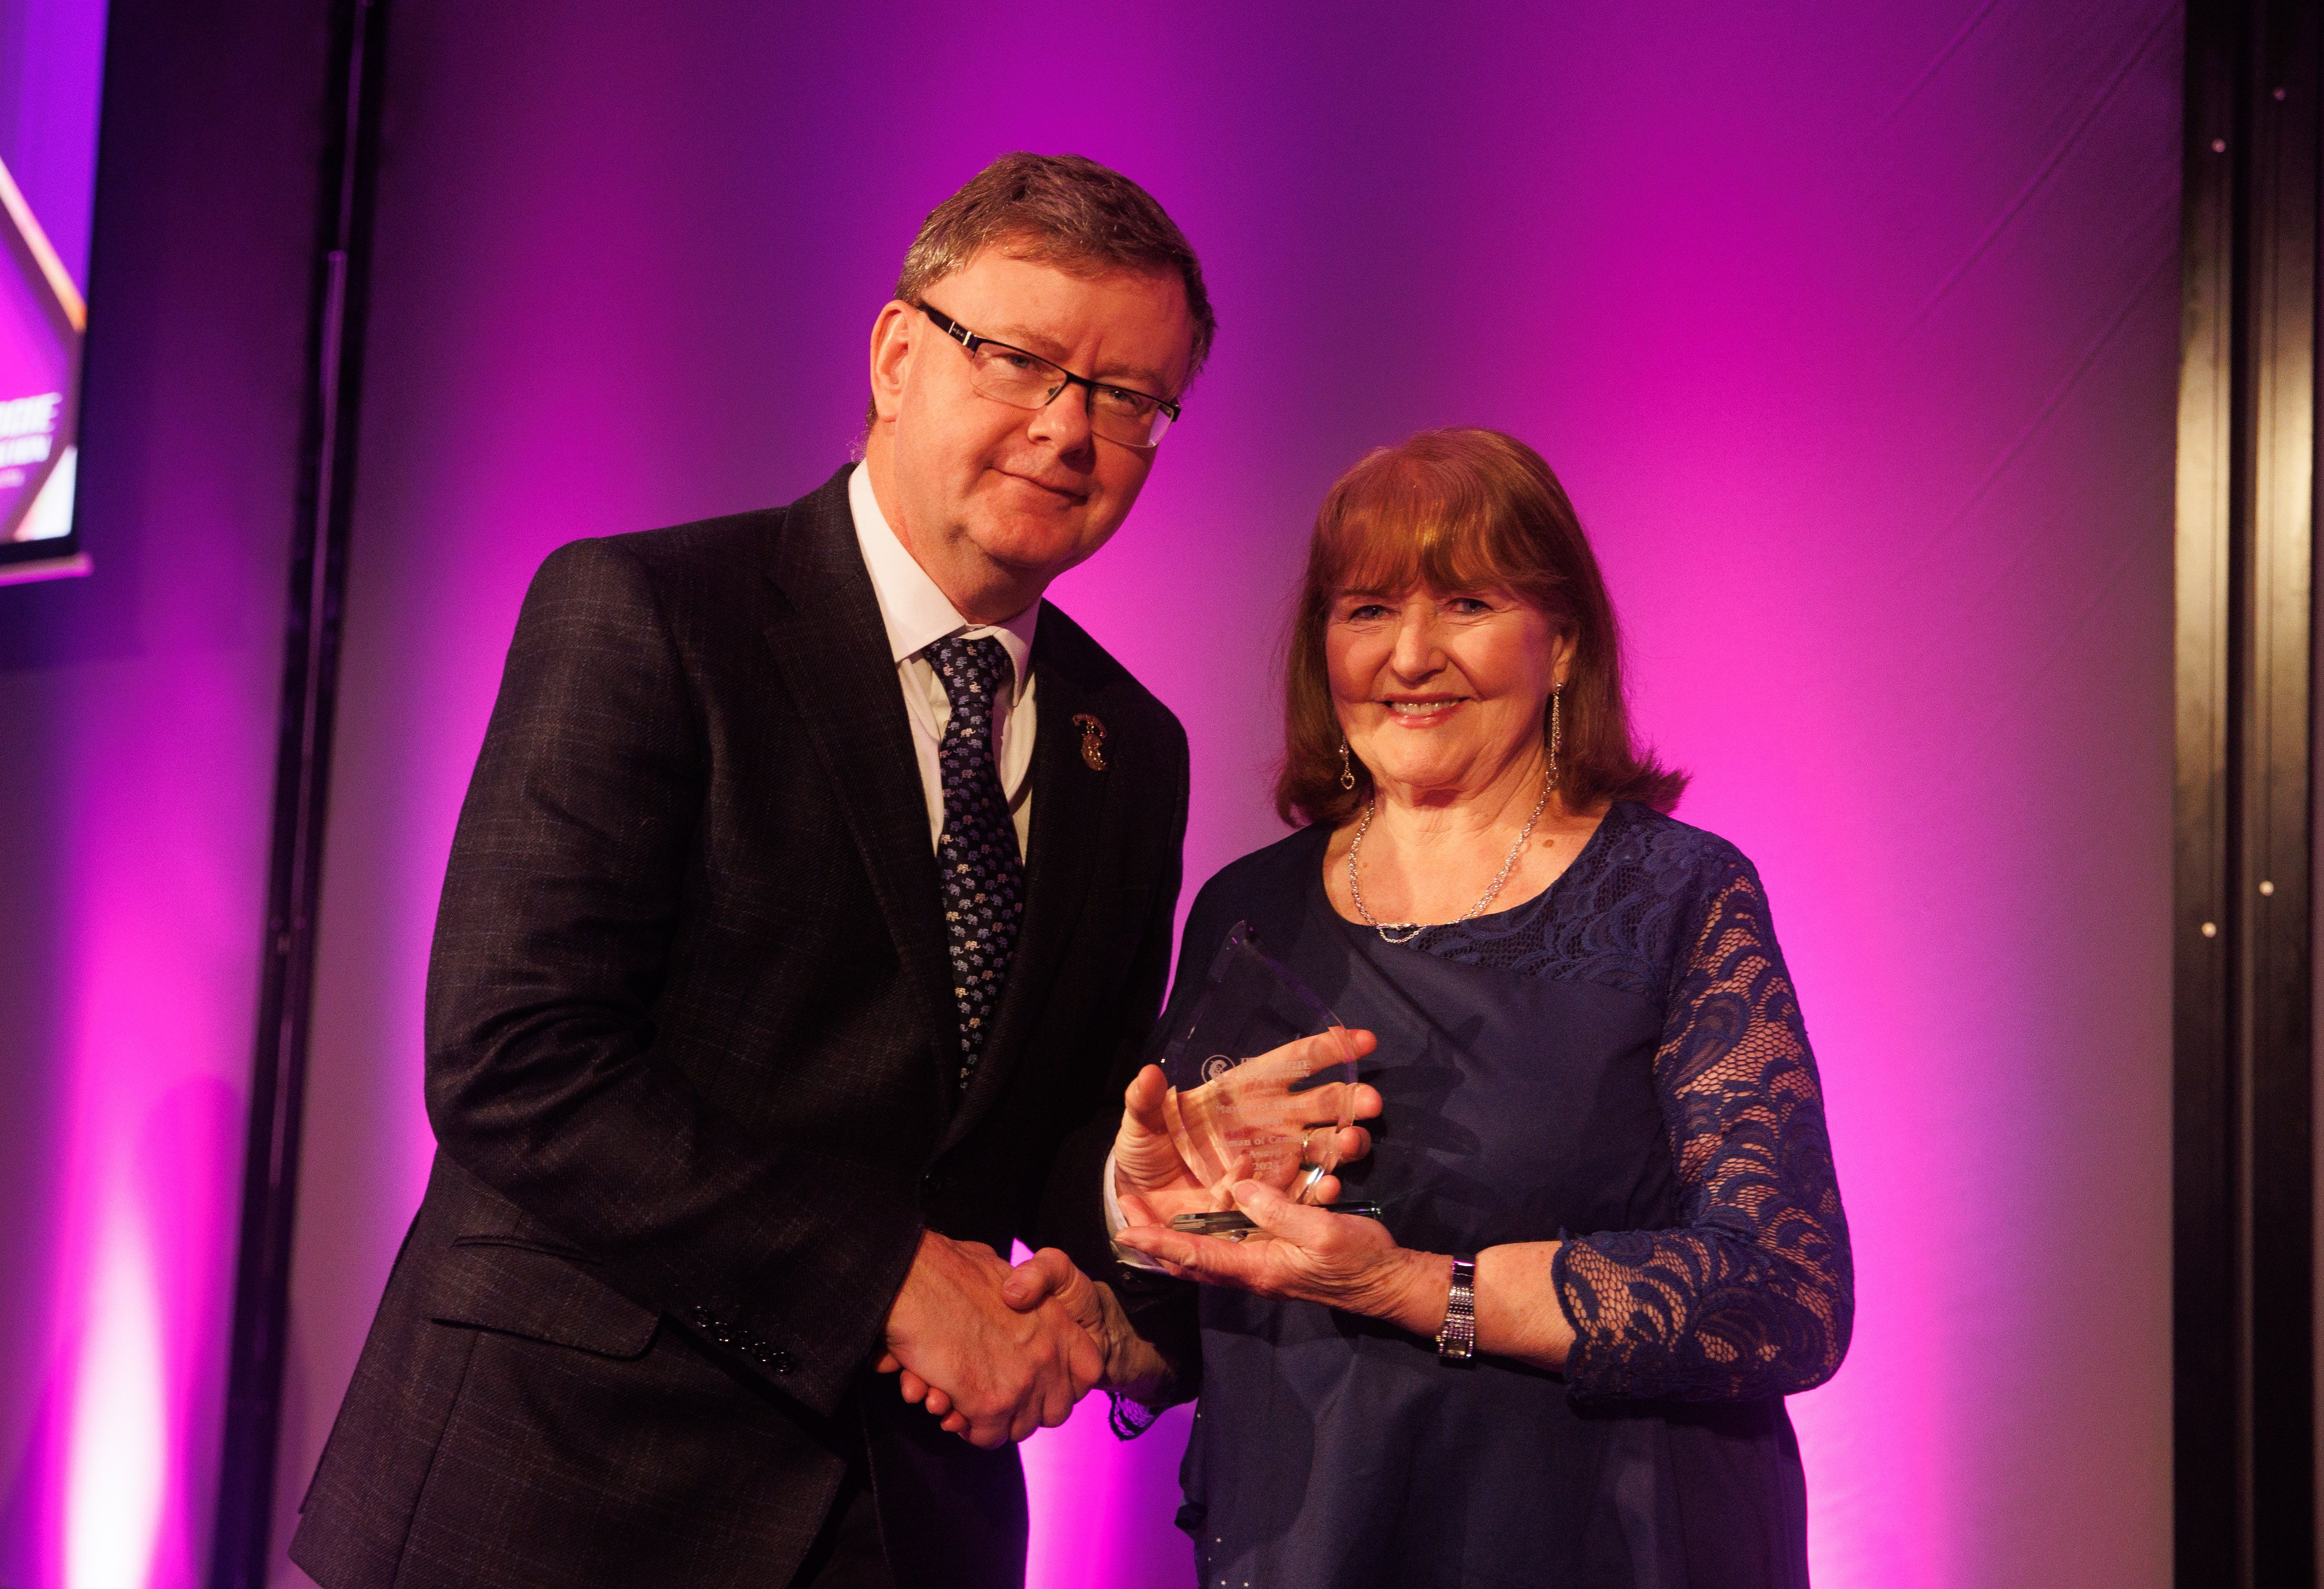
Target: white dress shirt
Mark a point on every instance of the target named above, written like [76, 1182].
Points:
[917, 614]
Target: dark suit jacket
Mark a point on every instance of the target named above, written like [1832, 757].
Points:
[689, 1021]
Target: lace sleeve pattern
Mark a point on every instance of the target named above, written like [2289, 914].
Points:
[1753, 1294]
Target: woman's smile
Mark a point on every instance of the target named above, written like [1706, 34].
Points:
[1423, 711]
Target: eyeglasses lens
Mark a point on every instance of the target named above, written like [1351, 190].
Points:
[1023, 381]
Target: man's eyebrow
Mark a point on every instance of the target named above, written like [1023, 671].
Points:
[1148, 380]
[1031, 341]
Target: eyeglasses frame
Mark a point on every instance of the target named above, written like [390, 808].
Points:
[971, 341]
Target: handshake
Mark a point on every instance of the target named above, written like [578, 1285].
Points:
[995, 1353]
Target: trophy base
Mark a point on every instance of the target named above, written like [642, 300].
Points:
[1235, 1225]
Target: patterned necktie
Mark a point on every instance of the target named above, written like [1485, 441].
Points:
[983, 876]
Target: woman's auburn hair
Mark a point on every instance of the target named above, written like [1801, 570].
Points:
[1461, 510]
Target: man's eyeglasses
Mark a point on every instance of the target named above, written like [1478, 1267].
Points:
[1026, 380]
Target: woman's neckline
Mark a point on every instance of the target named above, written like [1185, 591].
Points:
[1582, 857]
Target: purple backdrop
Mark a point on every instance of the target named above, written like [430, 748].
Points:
[137, 723]
[1851, 330]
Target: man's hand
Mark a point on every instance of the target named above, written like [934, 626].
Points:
[1133, 1365]
[1153, 1182]
[1004, 1373]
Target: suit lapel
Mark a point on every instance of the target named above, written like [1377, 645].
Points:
[1068, 799]
[832, 651]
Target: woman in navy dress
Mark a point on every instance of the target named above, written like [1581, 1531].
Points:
[1595, 1089]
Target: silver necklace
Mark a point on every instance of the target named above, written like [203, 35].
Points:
[1413, 930]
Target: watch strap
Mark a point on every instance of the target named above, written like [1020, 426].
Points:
[1457, 1341]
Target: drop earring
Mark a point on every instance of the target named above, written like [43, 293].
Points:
[1347, 769]
[1557, 733]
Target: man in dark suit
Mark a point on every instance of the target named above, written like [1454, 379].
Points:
[810, 904]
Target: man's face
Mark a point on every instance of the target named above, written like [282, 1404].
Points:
[988, 496]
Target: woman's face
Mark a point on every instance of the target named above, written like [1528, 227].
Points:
[1441, 692]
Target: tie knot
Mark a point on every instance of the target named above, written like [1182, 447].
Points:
[972, 671]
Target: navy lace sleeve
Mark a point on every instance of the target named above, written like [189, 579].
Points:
[1753, 1295]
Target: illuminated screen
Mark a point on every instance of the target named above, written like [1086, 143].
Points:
[51, 63]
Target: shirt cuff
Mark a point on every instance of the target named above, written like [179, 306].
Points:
[1116, 1222]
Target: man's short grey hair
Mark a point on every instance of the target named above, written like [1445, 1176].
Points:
[1064, 210]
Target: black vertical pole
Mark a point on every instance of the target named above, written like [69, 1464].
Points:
[2207, 1357]
[2244, 1391]
[240, 1545]
[2273, 952]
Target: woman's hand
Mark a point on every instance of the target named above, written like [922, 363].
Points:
[1154, 1182]
[1134, 1366]
[1307, 1254]
[1150, 1177]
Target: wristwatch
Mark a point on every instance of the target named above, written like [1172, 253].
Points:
[1457, 1341]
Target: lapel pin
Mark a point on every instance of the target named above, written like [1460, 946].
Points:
[1092, 740]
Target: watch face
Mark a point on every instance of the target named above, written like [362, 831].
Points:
[40, 323]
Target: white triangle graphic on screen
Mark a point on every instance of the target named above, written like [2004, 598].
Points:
[51, 518]
[59, 280]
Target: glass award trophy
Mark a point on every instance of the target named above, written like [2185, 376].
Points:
[1262, 1079]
